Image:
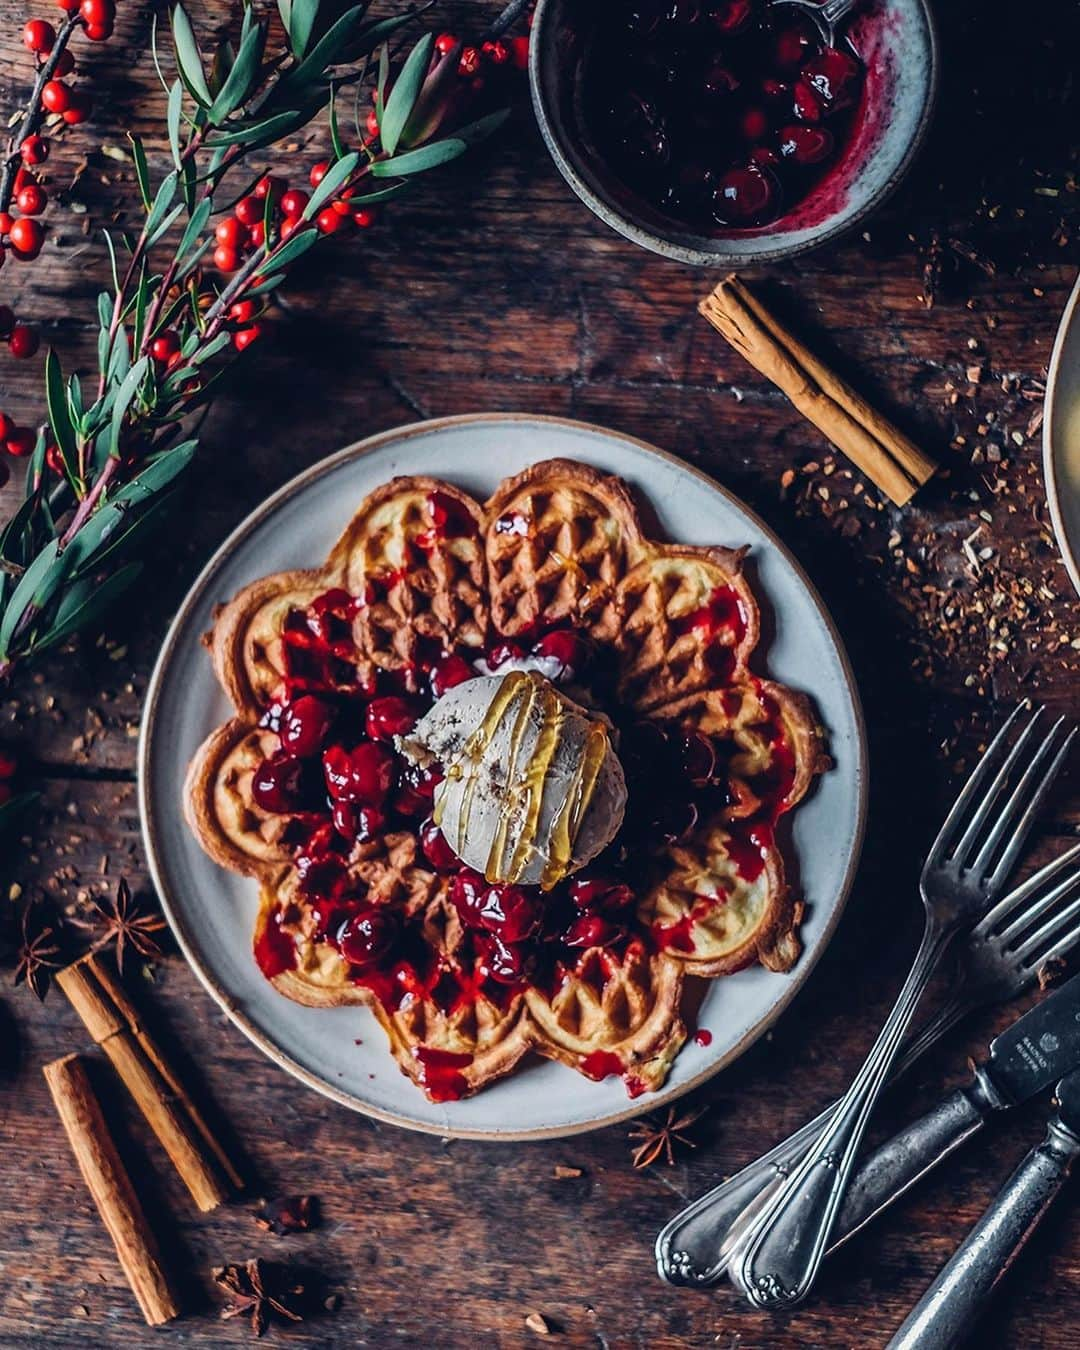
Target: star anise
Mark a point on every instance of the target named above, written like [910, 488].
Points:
[125, 922]
[37, 953]
[293, 1214]
[658, 1138]
[254, 1292]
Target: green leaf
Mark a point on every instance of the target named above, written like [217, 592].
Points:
[84, 602]
[379, 195]
[211, 348]
[162, 469]
[335, 134]
[59, 414]
[262, 133]
[142, 172]
[301, 23]
[17, 542]
[285, 10]
[112, 259]
[195, 226]
[119, 358]
[193, 261]
[416, 161]
[269, 284]
[294, 247]
[381, 80]
[172, 118]
[372, 33]
[433, 103]
[38, 584]
[165, 225]
[164, 199]
[243, 75]
[188, 60]
[312, 69]
[403, 97]
[332, 181]
[122, 402]
[139, 526]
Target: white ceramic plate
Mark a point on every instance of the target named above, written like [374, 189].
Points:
[1061, 436]
[212, 911]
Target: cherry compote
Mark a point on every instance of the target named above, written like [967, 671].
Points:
[717, 112]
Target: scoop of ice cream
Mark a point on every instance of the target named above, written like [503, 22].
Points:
[533, 788]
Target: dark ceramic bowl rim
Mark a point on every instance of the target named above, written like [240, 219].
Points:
[539, 47]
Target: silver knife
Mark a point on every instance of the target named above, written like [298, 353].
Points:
[947, 1312]
[1018, 1066]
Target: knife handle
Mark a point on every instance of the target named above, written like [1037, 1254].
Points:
[897, 1164]
[946, 1313]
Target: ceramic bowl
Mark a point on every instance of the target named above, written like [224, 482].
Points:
[897, 42]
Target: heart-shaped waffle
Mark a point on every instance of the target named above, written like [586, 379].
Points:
[422, 584]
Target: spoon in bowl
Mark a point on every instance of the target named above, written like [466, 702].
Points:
[826, 17]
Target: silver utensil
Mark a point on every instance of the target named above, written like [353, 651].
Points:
[777, 1262]
[826, 18]
[997, 961]
[946, 1313]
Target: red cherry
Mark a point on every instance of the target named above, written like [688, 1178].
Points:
[31, 200]
[166, 344]
[243, 310]
[502, 652]
[226, 259]
[806, 145]
[294, 201]
[365, 774]
[371, 126]
[278, 784]
[364, 218]
[469, 61]
[450, 671]
[98, 33]
[369, 935]
[590, 930]
[445, 43]
[34, 150]
[423, 782]
[358, 823]
[65, 62]
[792, 46]
[289, 224]
[7, 426]
[743, 195]
[519, 52]
[389, 717]
[466, 892]
[809, 105]
[764, 156]
[269, 186]
[98, 13]
[56, 96]
[27, 237]
[505, 963]
[835, 75]
[23, 342]
[230, 232]
[570, 649]
[318, 172]
[39, 36]
[754, 125]
[509, 913]
[731, 16]
[305, 724]
[55, 460]
[436, 849]
[495, 53]
[244, 337]
[248, 210]
[589, 892]
[68, 6]
[21, 442]
[79, 108]
[6, 222]
[257, 234]
[330, 221]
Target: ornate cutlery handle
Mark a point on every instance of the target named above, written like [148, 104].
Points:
[947, 1311]
[781, 1254]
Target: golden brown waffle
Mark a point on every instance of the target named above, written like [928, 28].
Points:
[422, 568]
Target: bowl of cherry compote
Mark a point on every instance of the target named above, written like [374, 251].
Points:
[724, 132]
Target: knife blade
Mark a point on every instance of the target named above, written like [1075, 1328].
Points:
[1039, 1047]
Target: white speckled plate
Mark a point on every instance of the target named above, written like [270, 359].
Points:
[343, 1052]
[1061, 436]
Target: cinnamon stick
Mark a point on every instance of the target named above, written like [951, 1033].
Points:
[111, 1188]
[868, 438]
[113, 1022]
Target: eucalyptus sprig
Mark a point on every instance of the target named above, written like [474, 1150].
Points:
[107, 462]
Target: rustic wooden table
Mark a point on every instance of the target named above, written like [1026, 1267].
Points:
[492, 288]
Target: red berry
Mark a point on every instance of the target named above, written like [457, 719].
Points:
[79, 108]
[445, 43]
[329, 221]
[226, 259]
[450, 671]
[569, 648]
[497, 53]
[248, 210]
[56, 96]
[364, 218]
[592, 931]
[269, 186]
[836, 75]
[469, 62]
[277, 785]
[244, 337]
[98, 32]
[792, 45]
[257, 234]
[39, 36]
[6, 222]
[294, 201]
[595, 893]
[27, 237]
[502, 652]
[519, 52]
[809, 105]
[365, 774]
[436, 849]
[98, 13]
[744, 195]
[68, 6]
[318, 172]
[509, 913]
[371, 126]
[34, 150]
[54, 460]
[358, 823]
[7, 426]
[389, 717]
[305, 724]
[369, 936]
[243, 311]
[506, 963]
[31, 200]
[8, 764]
[166, 344]
[289, 224]
[806, 145]
[466, 892]
[230, 232]
[731, 15]
[21, 442]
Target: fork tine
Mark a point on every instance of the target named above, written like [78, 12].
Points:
[1023, 826]
[1059, 949]
[975, 782]
[1012, 907]
[1053, 926]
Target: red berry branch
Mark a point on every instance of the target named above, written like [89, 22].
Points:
[197, 278]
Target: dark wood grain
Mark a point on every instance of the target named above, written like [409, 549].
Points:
[492, 288]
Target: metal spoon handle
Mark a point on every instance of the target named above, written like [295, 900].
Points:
[833, 11]
[781, 1255]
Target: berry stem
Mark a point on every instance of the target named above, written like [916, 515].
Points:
[35, 109]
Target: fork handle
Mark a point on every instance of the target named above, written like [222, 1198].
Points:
[946, 1313]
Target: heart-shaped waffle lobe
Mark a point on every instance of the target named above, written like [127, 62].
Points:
[309, 788]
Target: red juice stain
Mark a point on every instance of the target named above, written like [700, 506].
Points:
[275, 951]
[634, 1086]
[702, 1037]
[440, 1073]
[449, 520]
[749, 847]
[599, 1064]
[722, 612]
[676, 936]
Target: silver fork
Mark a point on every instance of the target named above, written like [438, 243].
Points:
[969, 862]
[998, 960]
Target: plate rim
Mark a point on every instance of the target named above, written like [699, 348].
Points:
[1050, 476]
[234, 1012]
